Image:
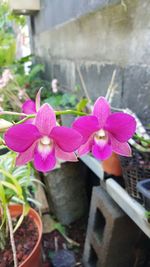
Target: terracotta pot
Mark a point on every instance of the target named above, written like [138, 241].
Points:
[112, 165]
[34, 259]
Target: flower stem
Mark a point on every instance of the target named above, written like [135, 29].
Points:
[70, 111]
[12, 113]
[26, 118]
[29, 116]
[12, 241]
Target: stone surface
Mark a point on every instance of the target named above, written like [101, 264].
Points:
[111, 235]
[40, 196]
[97, 78]
[116, 37]
[66, 192]
[21, 7]
[66, 11]
[136, 91]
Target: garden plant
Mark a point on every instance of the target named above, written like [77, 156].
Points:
[37, 137]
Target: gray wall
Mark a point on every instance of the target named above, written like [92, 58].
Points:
[97, 36]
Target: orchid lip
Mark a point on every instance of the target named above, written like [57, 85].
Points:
[101, 135]
[45, 140]
[45, 145]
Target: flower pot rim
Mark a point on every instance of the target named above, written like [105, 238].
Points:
[37, 220]
[140, 187]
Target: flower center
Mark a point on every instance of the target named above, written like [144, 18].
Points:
[45, 140]
[45, 146]
[101, 138]
[101, 135]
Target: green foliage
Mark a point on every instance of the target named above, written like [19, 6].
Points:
[60, 228]
[31, 81]
[147, 215]
[82, 104]
[35, 70]
[66, 100]
[18, 65]
[14, 186]
[7, 36]
[6, 17]
[145, 143]
[10, 96]
[54, 100]
[7, 49]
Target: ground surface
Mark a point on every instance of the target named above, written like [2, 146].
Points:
[73, 241]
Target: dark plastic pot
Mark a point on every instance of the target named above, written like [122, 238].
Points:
[144, 189]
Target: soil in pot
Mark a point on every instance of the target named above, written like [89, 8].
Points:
[25, 239]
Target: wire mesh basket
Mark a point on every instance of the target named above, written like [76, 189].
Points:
[135, 169]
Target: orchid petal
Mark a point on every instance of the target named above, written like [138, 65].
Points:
[121, 125]
[28, 107]
[120, 148]
[102, 153]
[101, 110]
[66, 138]
[45, 119]
[86, 148]
[26, 156]
[86, 126]
[68, 156]
[38, 100]
[20, 137]
[42, 162]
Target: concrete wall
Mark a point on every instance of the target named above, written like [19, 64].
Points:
[98, 36]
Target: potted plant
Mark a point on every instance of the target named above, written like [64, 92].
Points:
[39, 138]
[21, 227]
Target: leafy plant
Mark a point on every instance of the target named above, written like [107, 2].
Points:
[7, 36]
[63, 100]
[14, 188]
[11, 94]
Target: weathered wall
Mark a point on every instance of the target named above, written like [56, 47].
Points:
[98, 36]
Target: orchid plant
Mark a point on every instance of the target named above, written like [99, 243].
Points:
[38, 137]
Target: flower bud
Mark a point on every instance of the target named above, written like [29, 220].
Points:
[4, 125]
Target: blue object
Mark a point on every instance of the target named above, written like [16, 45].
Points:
[64, 258]
[144, 189]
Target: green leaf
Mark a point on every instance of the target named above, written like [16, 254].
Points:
[10, 186]
[12, 179]
[4, 216]
[17, 200]
[35, 202]
[82, 104]
[60, 228]
[2, 194]
[26, 208]
[34, 71]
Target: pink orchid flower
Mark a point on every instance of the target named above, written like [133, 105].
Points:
[31, 107]
[43, 142]
[104, 132]
[28, 107]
